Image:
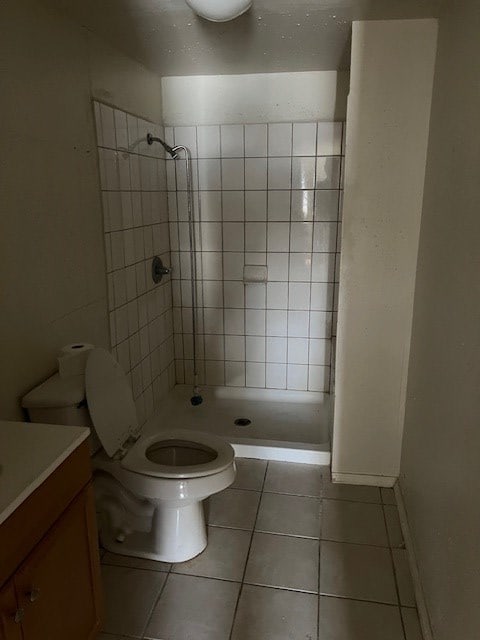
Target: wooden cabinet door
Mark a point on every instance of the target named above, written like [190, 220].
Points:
[58, 585]
[9, 628]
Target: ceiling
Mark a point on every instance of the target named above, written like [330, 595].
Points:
[275, 35]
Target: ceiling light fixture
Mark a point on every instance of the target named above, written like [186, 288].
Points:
[219, 10]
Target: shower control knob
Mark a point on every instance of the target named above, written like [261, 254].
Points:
[158, 270]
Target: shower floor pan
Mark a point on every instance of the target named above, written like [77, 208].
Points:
[291, 426]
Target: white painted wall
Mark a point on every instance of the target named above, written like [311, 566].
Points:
[440, 468]
[252, 98]
[52, 275]
[387, 133]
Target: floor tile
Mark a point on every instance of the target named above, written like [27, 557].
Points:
[283, 561]
[192, 608]
[353, 492]
[275, 614]
[130, 595]
[290, 515]
[388, 495]
[394, 529]
[293, 478]
[411, 623]
[357, 571]
[224, 557]
[109, 636]
[342, 619]
[233, 508]
[135, 563]
[403, 577]
[250, 474]
[357, 522]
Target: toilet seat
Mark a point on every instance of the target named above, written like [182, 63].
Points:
[136, 459]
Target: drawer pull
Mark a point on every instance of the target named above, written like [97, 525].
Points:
[33, 594]
[19, 615]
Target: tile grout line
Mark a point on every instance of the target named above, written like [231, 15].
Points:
[248, 554]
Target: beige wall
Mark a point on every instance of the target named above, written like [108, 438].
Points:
[387, 132]
[440, 469]
[251, 98]
[52, 270]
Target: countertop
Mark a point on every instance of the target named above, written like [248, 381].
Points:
[29, 453]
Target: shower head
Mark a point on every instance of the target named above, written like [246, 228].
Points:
[171, 150]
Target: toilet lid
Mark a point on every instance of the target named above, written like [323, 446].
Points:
[110, 400]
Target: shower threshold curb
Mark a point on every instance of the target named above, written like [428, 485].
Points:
[281, 451]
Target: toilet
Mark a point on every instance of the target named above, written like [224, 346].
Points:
[149, 487]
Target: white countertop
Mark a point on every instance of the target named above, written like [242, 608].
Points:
[29, 453]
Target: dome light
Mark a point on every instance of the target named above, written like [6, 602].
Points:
[219, 10]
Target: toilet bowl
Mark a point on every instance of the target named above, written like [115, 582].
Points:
[149, 488]
[150, 501]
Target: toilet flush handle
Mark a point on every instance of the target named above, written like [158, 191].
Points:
[158, 270]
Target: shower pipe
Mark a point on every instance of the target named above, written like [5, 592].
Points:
[196, 399]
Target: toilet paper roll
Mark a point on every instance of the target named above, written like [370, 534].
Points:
[255, 273]
[72, 359]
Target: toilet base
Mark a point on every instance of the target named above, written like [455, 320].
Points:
[177, 534]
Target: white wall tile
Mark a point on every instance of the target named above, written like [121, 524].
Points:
[235, 348]
[209, 174]
[318, 378]
[280, 173]
[233, 206]
[277, 295]
[326, 205]
[254, 322]
[277, 264]
[256, 140]
[297, 377]
[304, 138]
[255, 296]
[297, 350]
[255, 375]
[212, 265]
[211, 234]
[213, 319]
[210, 206]
[276, 349]
[276, 375]
[235, 374]
[280, 139]
[255, 349]
[108, 126]
[256, 173]
[233, 265]
[298, 324]
[256, 236]
[234, 294]
[319, 352]
[299, 296]
[329, 138]
[233, 173]
[300, 269]
[208, 140]
[255, 205]
[278, 236]
[278, 209]
[277, 323]
[233, 236]
[325, 237]
[322, 297]
[323, 267]
[301, 237]
[215, 372]
[303, 173]
[327, 174]
[231, 141]
[234, 321]
[214, 347]
[302, 202]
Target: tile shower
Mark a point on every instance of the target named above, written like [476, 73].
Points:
[264, 195]
[134, 198]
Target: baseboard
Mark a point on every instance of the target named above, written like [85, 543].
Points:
[365, 479]
[282, 452]
[412, 561]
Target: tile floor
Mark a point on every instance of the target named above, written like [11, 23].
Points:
[290, 557]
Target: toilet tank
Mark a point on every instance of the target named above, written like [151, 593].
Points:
[61, 401]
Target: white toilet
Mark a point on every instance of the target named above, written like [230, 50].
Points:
[149, 487]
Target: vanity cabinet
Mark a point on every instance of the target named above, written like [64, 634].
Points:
[53, 592]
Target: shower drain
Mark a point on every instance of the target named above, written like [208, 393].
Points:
[242, 422]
